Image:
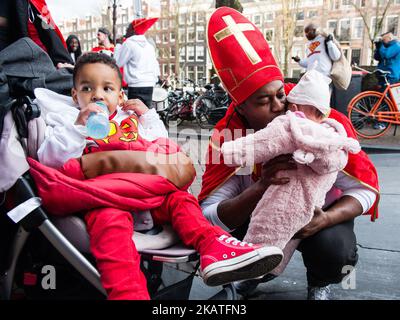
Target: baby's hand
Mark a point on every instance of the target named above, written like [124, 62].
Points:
[85, 112]
[135, 105]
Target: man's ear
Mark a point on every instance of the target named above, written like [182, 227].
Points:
[74, 95]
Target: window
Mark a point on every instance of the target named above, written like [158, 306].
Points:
[269, 17]
[392, 24]
[200, 73]
[358, 28]
[200, 34]
[332, 27]
[190, 53]
[298, 31]
[191, 35]
[199, 53]
[257, 20]
[182, 53]
[172, 36]
[346, 3]
[165, 69]
[182, 35]
[190, 72]
[190, 18]
[165, 37]
[300, 15]
[356, 56]
[374, 26]
[165, 24]
[269, 35]
[182, 19]
[172, 68]
[172, 52]
[312, 13]
[344, 30]
[201, 17]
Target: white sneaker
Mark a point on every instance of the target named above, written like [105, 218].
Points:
[319, 293]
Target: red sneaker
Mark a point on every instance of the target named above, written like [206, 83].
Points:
[228, 259]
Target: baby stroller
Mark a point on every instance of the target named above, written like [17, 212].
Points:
[36, 246]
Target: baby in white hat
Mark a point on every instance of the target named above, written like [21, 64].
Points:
[319, 145]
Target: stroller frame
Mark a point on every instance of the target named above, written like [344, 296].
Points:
[36, 218]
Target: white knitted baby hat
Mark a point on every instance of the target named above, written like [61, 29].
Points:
[312, 89]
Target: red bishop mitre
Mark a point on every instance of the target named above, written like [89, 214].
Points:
[141, 25]
[240, 54]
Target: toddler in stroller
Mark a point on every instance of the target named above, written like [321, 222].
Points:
[108, 197]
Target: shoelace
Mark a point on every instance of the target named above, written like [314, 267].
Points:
[234, 241]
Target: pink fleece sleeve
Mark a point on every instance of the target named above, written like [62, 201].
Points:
[261, 146]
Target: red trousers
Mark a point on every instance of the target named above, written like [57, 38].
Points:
[118, 261]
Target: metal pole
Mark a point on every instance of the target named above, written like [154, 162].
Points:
[114, 20]
[138, 8]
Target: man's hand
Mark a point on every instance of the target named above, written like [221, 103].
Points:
[135, 105]
[272, 167]
[378, 44]
[296, 58]
[319, 221]
[85, 113]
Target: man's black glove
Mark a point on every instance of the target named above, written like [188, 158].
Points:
[329, 37]
[378, 44]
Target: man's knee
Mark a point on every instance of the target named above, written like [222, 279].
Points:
[332, 248]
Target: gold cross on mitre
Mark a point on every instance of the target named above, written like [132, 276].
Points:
[236, 30]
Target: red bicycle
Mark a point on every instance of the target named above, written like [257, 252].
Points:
[372, 113]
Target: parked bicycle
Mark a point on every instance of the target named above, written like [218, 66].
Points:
[210, 107]
[372, 113]
[181, 108]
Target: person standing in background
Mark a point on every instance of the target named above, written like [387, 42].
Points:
[321, 52]
[74, 47]
[138, 58]
[387, 52]
[105, 42]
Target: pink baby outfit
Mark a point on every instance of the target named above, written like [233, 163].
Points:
[319, 149]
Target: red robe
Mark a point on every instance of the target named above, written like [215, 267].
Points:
[359, 166]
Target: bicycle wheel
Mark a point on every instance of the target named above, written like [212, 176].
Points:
[201, 111]
[365, 125]
[172, 118]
